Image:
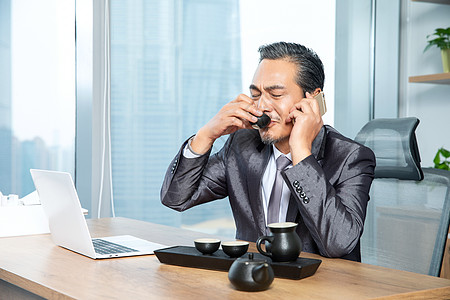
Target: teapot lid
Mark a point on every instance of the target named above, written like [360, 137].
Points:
[251, 259]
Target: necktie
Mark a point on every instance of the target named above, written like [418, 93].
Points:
[273, 211]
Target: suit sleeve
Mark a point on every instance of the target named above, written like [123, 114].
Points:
[334, 214]
[192, 181]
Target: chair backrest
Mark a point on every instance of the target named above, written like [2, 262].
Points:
[407, 223]
[395, 146]
[407, 219]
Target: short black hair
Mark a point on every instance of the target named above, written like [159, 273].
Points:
[310, 73]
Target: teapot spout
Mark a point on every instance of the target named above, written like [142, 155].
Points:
[263, 274]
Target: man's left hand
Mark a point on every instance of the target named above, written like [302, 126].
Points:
[307, 123]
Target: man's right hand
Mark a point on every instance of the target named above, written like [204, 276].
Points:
[235, 115]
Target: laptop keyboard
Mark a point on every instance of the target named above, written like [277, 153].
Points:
[105, 247]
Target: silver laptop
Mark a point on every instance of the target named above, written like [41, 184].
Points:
[68, 226]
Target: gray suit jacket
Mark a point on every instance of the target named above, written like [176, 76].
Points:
[329, 189]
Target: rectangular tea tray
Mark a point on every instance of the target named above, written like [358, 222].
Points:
[190, 257]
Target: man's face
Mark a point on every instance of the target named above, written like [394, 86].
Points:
[275, 91]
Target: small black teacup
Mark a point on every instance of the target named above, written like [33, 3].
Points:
[235, 248]
[207, 246]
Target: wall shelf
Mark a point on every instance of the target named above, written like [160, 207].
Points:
[442, 78]
[434, 1]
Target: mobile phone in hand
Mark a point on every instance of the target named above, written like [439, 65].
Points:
[320, 97]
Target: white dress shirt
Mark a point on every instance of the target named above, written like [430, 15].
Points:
[267, 181]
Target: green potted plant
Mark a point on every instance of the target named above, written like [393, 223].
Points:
[441, 39]
[442, 159]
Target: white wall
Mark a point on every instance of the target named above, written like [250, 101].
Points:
[428, 102]
[310, 23]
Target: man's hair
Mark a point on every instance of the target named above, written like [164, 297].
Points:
[310, 74]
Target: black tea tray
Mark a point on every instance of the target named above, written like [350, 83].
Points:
[190, 257]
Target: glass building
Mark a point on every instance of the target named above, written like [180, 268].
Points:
[37, 91]
[174, 64]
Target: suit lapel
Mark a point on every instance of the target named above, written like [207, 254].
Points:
[256, 167]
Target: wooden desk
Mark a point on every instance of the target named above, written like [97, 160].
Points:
[35, 264]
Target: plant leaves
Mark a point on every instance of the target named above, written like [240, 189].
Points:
[442, 167]
[442, 162]
[437, 158]
[445, 153]
[442, 40]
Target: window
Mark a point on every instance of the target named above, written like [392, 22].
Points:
[37, 90]
[174, 64]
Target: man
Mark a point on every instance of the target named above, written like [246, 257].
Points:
[327, 180]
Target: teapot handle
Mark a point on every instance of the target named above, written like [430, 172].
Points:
[261, 241]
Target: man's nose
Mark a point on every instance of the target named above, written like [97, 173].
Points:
[264, 103]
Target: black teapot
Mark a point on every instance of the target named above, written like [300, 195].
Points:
[251, 275]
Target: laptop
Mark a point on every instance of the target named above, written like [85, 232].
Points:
[67, 223]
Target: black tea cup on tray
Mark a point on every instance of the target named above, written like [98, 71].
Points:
[235, 248]
[206, 245]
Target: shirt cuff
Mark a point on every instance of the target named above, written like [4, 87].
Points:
[188, 152]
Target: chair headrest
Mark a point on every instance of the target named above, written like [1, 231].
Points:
[395, 146]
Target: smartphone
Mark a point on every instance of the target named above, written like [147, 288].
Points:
[320, 97]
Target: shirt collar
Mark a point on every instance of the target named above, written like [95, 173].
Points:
[276, 153]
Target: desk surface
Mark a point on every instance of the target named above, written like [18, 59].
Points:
[35, 264]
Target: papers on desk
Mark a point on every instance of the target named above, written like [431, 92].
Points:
[23, 216]
[13, 200]
[31, 199]
[22, 220]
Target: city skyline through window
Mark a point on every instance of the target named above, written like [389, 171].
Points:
[174, 64]
[37, 92]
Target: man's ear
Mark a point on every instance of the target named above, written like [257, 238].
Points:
[316, 91]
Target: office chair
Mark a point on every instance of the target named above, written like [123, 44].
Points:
[409, 209]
